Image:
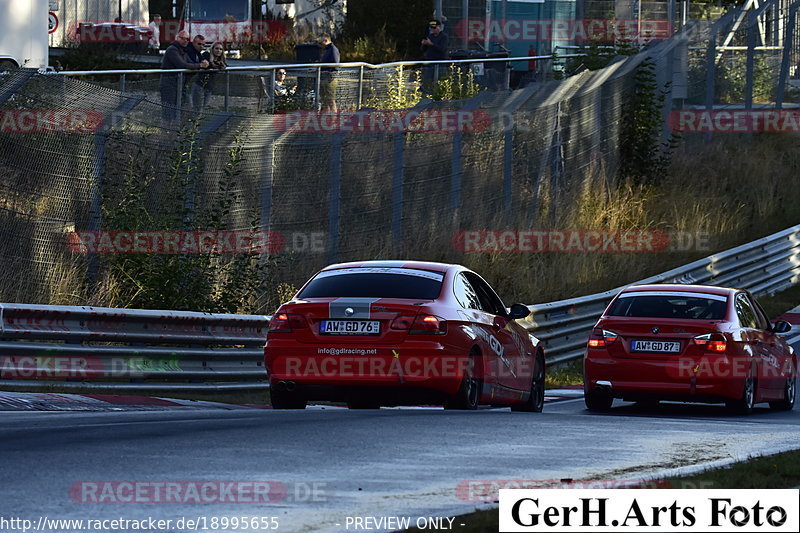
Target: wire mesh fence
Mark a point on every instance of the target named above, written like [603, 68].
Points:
[372, 180]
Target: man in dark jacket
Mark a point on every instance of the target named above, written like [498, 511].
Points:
[327, 89]
[434, 46]
[175, 57]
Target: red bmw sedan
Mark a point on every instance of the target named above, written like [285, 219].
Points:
[690, 343]
[397, 332]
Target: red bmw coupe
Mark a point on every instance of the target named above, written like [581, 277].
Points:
[690, 343]
[396, 332]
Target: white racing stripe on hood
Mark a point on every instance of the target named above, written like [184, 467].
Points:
[359, 305]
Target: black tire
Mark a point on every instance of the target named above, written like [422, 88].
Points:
[647, 405]
[597, 401]
[744, 405]
[789, 393]
[535, 402]
[468, 396]
[282, 399]
[5, 64]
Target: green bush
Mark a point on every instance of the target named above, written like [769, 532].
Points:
[208, 282]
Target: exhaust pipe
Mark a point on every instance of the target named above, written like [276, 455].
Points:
[285, 386]
[604, 385]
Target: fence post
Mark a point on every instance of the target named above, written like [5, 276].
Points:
[752, 27]
[360, 86]
[271, 90]
[179, 97]
[267, 181]
[787, 52]
[397, 189]
[318, 86]
[122, 83]
[711, 65]
[335, 198]
[508, 167]
[227, 88]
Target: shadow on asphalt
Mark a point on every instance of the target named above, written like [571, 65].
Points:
[691, 410]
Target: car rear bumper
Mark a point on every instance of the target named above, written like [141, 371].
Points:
[705, 378]
[332, 369]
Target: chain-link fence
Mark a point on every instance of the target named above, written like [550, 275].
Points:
[738, 59]
[367, 181]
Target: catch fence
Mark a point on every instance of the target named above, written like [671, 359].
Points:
[400, 175]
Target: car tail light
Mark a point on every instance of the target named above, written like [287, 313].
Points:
[286, 322]
[429, 325]
[403, 322]
[601, 338]
[712, 342]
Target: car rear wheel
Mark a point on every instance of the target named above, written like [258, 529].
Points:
[789, 393]
[647, 404]
[535, 402]
[283, 399]
[469, 393]
[744, 405]
[597, 401]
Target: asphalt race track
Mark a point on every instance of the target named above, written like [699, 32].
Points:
[331, 463]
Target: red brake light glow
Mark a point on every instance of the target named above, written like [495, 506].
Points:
[429, 325]
[712, 342]
[601, 338]
[286, 322]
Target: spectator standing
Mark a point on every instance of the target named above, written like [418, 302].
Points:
[281, 89]
[154, 45]
[195, 53]
[327, 89]
[204, 82]
[175, 57]
[434, 48]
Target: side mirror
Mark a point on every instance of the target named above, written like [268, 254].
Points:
[780, 326]
[518, 311]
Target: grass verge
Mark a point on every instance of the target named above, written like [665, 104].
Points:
[780, 471]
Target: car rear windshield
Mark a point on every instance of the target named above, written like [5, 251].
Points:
[375, 283]
[684, 305]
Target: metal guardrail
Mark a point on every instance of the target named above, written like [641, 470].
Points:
[119, 350]
[765, 266]
[130, 349]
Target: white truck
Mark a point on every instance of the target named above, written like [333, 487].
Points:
[69, 15]
[23, 34]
